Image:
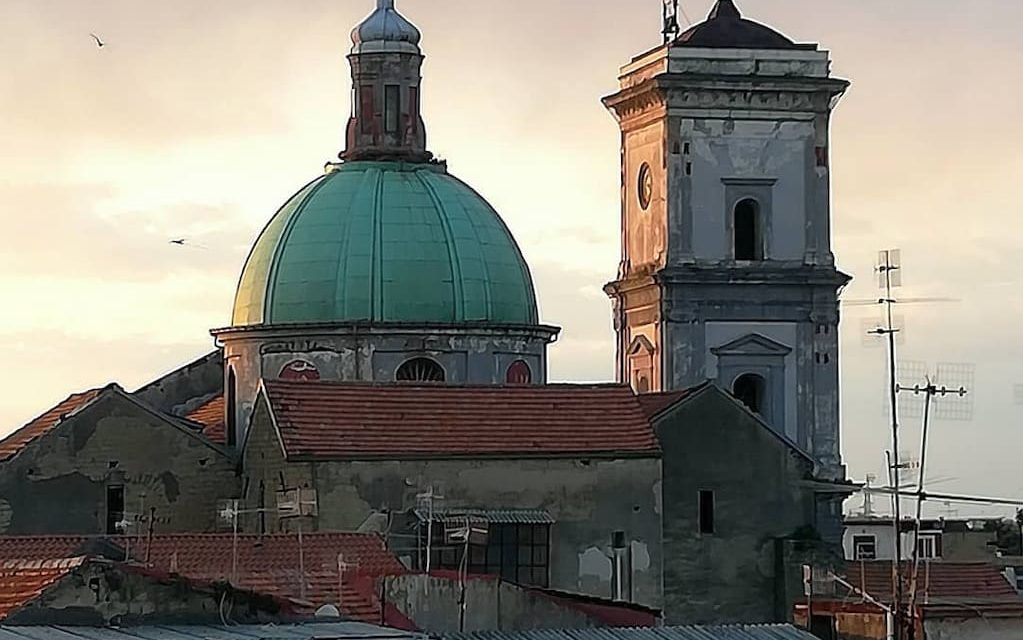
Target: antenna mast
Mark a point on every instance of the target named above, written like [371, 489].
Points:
[670, 29]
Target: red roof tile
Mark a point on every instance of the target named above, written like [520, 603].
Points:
[266, 564]
[14, 443]
[655, 403]
[941, 580]
[212, 417]
[22, 581]
[345, 420]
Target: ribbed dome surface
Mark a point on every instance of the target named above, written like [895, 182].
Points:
[385, 26]
[386, 242]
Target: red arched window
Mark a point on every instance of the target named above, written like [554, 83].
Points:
[519, 373]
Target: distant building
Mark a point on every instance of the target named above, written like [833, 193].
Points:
[953, 540]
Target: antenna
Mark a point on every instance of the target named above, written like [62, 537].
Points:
[670, 29]
[868, 496]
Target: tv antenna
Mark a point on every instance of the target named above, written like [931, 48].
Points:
[671, 28]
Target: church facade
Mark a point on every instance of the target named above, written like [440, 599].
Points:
[385, 367]
[727, 272]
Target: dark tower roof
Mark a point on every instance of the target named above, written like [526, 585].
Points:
[725, 28]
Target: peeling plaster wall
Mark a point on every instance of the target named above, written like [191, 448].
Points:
[58, 483]
[468, 356]
[588, 498]
[729, 576]
[100, 595]
[185, 389]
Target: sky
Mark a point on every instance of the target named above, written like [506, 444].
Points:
[198, 119]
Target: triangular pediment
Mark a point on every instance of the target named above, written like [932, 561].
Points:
[641, 345]
[752, 344]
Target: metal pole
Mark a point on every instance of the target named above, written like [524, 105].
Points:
[930, 390]
[234, 543]
[301, 555]
[894, 400]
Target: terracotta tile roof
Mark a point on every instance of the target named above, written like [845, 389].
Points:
[655, 403]
[212, 417]
[266, 564]
[936, 580]
[346, 420]
[14, 443]
[22, 581]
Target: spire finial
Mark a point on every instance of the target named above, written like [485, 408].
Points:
[385, 4]
[724, 10]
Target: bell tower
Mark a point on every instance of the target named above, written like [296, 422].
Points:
[727, 272]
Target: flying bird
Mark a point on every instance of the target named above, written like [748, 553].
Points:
[185, 242]
[99, 43]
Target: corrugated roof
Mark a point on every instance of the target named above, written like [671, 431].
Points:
[495, 516]
[310, 631]
[14, 443]
[212, 417]
[737, 632]
[352, 421]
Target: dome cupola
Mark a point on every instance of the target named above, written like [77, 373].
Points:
[725, 28]
[385, 30]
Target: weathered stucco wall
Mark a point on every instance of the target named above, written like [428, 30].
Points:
[975, 629]
[730, 575]
[490, 605]
[185, 389]
[588, 498]
[58, 483]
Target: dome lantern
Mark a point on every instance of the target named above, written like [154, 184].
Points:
[386, 62]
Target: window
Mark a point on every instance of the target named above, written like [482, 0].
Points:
[928, 546]
[230, 422]
[391, 102]
[750, 389]
[519, 373]
[706, 512]
[420, 370]
[747, 231]
[642, 384]
[519, 553]
[366, 108]
[115, 509]
[864, 547]
[413, 102]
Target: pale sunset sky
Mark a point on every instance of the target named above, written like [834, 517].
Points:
[198, 119]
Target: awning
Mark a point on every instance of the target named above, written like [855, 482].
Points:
[493, 516]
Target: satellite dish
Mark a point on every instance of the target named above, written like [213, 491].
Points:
[328, 611]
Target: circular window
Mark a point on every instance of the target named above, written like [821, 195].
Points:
[645, 186]
[519, 373]
[420, 370]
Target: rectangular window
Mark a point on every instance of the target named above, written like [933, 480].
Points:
[706, 512]
[366, 108]
[864, 548]
[115, 509]
[928, 546]
[413, 103]
[519, 553]
[391, 107]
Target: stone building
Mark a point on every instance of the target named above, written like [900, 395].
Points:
[561, 477]
[102, 458]
[743, 509]
[727, 271]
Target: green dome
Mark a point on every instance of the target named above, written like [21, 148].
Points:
[385, 242]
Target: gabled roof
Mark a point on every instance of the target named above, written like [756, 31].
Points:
[935, 581]
[79, 402]
[358, 421]
[22, 581]
[14, 443]
[266, 564]
[212, 417]
[654, 404]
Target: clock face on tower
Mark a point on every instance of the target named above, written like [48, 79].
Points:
[645, 186]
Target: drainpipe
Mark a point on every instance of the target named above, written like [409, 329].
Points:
[618, 571]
